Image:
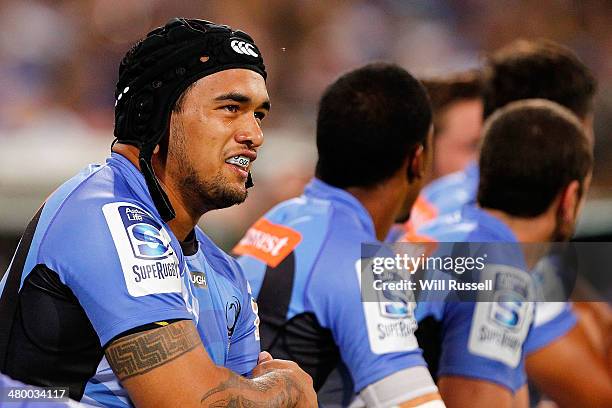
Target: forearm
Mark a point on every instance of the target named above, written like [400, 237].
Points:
[272, 389]
[169, 367]
[462, 392]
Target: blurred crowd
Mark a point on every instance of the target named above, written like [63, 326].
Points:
[59, 58]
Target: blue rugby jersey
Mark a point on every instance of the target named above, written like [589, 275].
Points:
[302, 260]
[481, 340]
[443, 196]
[101, 263]
[448, 195]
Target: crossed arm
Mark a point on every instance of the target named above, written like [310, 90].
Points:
[168, 366]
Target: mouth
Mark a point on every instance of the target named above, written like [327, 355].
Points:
[240, 163]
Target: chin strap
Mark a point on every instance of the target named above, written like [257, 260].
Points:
[159, 196]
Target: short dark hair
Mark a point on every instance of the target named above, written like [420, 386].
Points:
[538, 69]
[445, 90]
[370, 120]
[532, 149]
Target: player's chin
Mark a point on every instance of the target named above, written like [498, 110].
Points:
[235, 192]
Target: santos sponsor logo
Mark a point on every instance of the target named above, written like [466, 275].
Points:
[267, 243]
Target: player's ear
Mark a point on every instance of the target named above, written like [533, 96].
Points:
[417, 164]
[570, 198]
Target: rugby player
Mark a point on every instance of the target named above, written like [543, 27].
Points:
[535, 169]
[456, 102]
[114, 291]
[302, 256]
[547, 70]
[521, 70]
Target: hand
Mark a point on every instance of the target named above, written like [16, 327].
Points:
[264, 356]
[295, 376]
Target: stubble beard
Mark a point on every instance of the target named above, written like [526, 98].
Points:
[212, 194]
[201, 195]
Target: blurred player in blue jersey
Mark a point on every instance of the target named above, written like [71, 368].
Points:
[521, 70]
[535, 168]
[302, 258]
[114, 291]
[456, 102]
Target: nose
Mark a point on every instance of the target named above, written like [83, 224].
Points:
[250, 133]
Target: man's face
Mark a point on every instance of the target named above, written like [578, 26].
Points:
[214, 138]
[457, 142]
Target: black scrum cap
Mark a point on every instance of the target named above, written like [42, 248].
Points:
[156, 71]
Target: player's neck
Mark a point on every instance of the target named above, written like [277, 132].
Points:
[533, 229]
[184, 222]
[383, 202]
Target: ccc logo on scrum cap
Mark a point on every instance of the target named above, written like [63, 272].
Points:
[243, 47]
[148, 242]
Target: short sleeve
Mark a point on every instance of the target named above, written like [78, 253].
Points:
[122, 264]
[375, 339]
[484, 341]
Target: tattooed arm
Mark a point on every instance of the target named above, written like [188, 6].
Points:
[168, 366]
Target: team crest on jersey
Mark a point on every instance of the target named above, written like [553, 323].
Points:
[232, 312]
[268, 242]
[149, 263]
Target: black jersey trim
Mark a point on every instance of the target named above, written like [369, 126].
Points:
[10, 295]
[142, 328]
[274, 297]
[190, 244]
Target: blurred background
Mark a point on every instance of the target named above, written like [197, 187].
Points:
[59, 59]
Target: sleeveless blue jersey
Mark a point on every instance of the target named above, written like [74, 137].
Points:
[100, 240]
[302, 259]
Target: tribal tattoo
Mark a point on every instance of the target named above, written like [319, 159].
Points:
[224, 395]
[142, 352]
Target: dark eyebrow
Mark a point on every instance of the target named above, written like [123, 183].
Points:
[241, 98]
[265, 105]
[233, 96]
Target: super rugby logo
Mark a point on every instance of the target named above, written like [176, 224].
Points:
[508, 310]
[149, 242]
[394, 304]
[510, 301]
[148, 261]
[244, 48]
